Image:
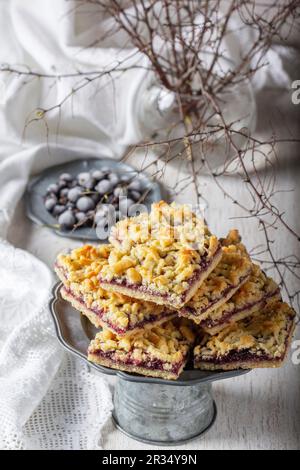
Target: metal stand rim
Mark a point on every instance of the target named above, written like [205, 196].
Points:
[167, 443]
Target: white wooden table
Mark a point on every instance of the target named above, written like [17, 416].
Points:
[260, 410]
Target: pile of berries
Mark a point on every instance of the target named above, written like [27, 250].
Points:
[82, 200]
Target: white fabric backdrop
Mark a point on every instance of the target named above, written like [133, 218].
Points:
[48, 400]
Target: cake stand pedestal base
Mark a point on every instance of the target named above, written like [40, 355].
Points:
[160, 414]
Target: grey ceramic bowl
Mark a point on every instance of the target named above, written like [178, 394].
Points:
[37, 187]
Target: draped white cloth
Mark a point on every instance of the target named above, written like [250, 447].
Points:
[47, 399]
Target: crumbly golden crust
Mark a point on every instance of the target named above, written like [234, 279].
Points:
[161, 351]
[174, 225]
[239, 365]
[234, 238]
[168, 342]
[166, 255]
[253, 295]
[84, 262]
[96, 320]
[252, 342]
[171, 301]
[233, 270]
[235, 317]
[162, 374]
[79, 273]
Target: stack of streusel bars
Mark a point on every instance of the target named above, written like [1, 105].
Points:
[166, 291]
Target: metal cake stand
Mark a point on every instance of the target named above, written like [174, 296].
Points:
[151, 410]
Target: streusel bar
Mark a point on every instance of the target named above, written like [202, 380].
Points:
[255, 342]
[231, 273]
[79, 273]
[249, 300]
[159, 352]
[162, 257]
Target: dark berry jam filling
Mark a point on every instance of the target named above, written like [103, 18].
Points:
[235, 356]
[150, 363]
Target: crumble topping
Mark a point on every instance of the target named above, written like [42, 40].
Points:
[263, 335]
[234, 238]
[257, 288]
[162, 251]
[81, 270]
[233, 267]
[169, 342]
[167, 223]
[84, 262]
